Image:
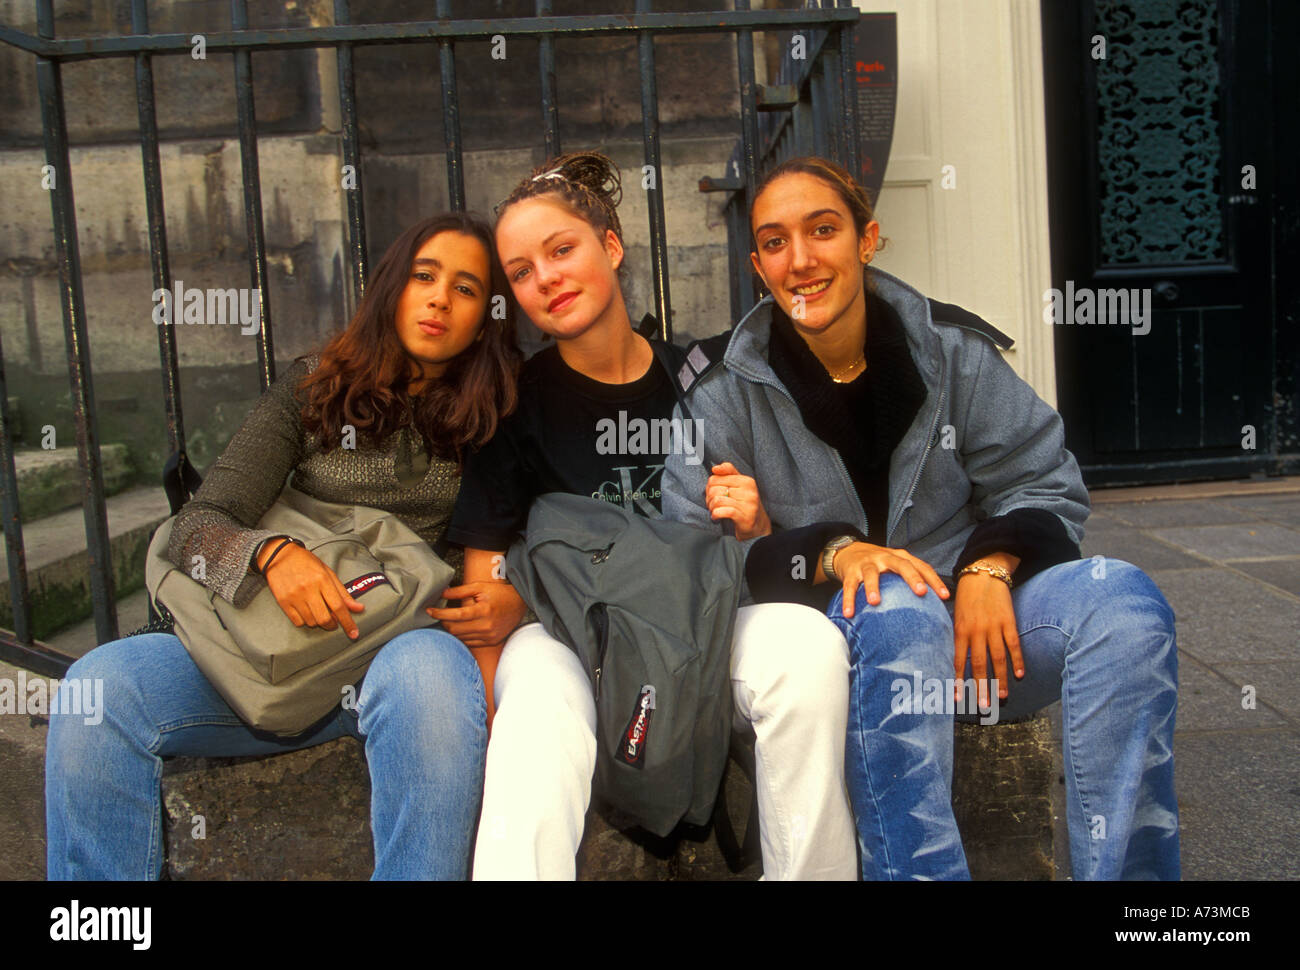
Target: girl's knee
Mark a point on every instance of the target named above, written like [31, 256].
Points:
[423, 664]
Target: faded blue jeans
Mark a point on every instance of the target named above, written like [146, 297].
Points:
[420, 712]
[1094, 633]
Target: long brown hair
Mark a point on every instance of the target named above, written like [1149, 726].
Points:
[364, 372]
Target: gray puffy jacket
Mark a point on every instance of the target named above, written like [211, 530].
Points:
[982, 444]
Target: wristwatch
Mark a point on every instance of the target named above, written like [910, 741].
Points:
[828, 554]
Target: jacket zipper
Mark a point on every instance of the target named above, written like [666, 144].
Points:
[929, 441]
[862, 512]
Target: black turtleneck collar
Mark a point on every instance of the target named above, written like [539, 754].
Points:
[866, 418]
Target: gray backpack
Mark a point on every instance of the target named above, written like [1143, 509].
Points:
[649, 606]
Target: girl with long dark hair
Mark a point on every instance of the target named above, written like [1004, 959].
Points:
[381, 417]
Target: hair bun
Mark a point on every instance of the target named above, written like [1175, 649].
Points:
[592, 170]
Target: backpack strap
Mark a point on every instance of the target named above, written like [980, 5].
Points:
[180, 480]
[702, 356]
[955, 316]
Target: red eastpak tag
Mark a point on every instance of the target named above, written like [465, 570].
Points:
[632, 749]
[364, 584]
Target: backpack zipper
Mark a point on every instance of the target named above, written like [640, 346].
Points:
[601, 620]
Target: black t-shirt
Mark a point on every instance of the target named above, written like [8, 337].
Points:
[572, 434]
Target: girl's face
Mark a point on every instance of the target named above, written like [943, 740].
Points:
[809, 253]
[563, 275]
[442, 309]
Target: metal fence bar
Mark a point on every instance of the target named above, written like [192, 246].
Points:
[749, 143]
[252, 195]
[153, 197]
[655, 196]
[241, 41]
[546, 64]
[352, 157]
[15, 554]
[54, 124]
[415, 32]
[848, 85]
[451, 115]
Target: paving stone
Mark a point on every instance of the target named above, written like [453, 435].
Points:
[1276, 684]
[1239, 804]
[1247, 540]
[1283, 508]
[1163, 514]
[1146, 553]
[1099, 522]
[1223, 617]
[1282, 573]
[1207, 702]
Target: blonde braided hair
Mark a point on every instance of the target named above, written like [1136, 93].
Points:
[587, 182]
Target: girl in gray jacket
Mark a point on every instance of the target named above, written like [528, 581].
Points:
[892, 450]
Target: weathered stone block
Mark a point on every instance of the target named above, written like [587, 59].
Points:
[1001, 795]
[299, 815]
[305, 815]
[22, 792]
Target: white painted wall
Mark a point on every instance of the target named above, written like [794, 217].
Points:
[970, 95]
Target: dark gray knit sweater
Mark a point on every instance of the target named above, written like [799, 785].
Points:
[220, 522]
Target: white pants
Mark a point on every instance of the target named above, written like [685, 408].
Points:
[789, 680]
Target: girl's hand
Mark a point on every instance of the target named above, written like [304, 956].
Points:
[861, 564]
[308, 591]
[488, 614]
[731, 495]
[984, 625]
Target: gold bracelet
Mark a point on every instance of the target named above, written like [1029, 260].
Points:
[997, 572]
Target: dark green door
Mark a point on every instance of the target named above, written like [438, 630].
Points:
[1163, 175]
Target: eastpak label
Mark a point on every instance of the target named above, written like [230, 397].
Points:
[364, 584]
[635, 737]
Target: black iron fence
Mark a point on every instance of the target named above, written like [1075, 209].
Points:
[815, 91]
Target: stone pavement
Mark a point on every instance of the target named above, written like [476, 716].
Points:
[1226, 555]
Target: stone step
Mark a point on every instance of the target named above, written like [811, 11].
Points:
[49, 480]
[79, 640]
[305, 815]
[58, 565]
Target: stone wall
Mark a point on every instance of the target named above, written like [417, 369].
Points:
[403, 175]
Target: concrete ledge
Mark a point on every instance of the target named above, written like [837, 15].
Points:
[305, 815]
[1002, 798]
[300, 815]
[22, 792]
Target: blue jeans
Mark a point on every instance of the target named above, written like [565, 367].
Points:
[420, 712]
[1096, 634]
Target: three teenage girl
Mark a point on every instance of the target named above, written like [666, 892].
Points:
[824, 407]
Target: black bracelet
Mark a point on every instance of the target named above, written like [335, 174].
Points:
[252, 560]
[271, 558]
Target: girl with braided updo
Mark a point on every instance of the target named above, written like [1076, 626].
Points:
[560, 242]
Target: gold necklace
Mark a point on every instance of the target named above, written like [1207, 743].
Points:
[836, 375]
